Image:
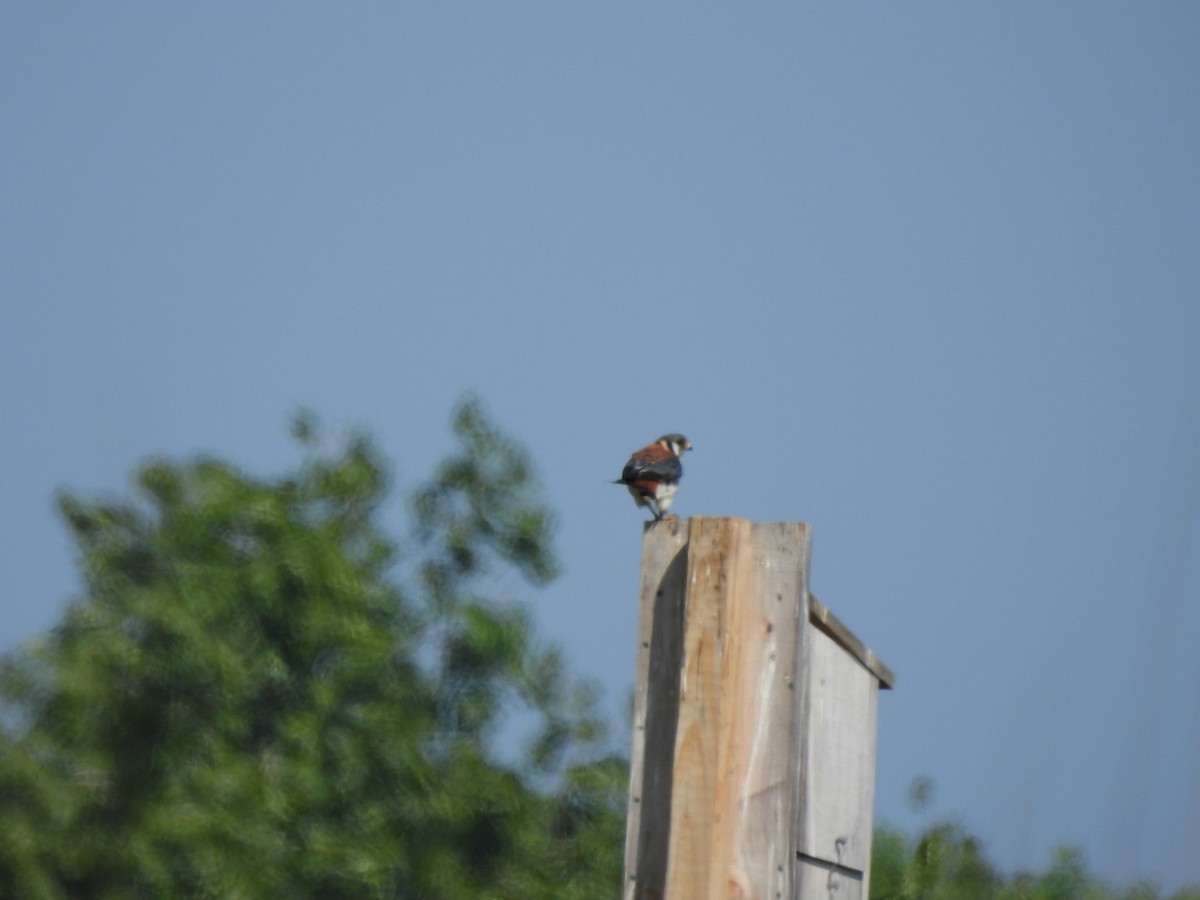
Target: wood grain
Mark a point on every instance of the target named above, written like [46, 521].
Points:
[752, 768]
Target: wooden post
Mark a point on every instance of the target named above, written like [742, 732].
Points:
[752, 771]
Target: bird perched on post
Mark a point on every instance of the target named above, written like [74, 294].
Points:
[652, 473]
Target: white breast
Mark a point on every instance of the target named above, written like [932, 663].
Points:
[665, 495]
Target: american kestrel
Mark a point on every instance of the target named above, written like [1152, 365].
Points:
[652, 473]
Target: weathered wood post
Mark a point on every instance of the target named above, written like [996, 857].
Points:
[753, 764]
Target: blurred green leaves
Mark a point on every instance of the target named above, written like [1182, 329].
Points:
[260, 695]
[946, 862]
[263, 693]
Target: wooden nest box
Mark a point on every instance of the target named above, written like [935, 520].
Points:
[753, 764]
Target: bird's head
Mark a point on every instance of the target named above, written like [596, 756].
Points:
[675, 442]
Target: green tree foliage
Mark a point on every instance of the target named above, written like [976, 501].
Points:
[259, 694]
[945, 862]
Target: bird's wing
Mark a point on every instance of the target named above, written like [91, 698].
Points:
[652, 464]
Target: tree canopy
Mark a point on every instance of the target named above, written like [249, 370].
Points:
[946, 862]
[262, 694]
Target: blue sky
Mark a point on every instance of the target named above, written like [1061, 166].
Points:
[923, 275]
